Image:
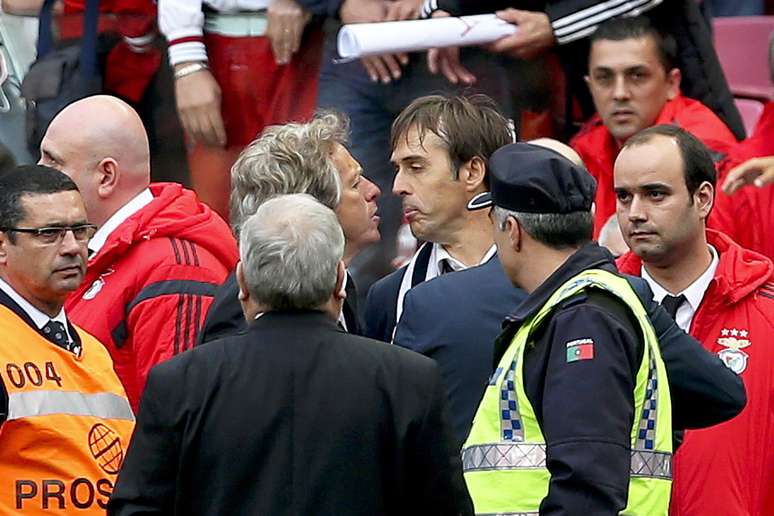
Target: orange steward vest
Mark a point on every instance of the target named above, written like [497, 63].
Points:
[68, 423]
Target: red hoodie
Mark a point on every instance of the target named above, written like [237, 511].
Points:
[147, 290]
[728, 469]
[748, 215]
[598, 149]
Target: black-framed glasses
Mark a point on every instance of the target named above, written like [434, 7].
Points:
[55, 234]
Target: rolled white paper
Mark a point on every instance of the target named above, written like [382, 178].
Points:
[367, 39]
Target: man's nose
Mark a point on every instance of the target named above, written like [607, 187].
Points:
[620, 88]
[637, 210]
[399, 184]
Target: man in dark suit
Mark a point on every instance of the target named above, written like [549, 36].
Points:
[440, 148]
[292, 416]
[300, 158]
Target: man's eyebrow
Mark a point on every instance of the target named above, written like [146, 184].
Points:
[651, 187]
[52, 154]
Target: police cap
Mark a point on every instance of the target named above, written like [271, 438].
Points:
[533, 179]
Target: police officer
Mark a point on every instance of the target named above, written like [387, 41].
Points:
[576, 418]
[65, 421]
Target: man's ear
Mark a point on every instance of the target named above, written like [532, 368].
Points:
[673, 79]
[340, 293]
[473, 173]
[244, 293]
[513, 227]
[107, 177]
[3, 247]
[704, 198]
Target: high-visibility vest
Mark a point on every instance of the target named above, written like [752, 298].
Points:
[504, 457]
[68, 423]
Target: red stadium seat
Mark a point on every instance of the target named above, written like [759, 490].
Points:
[742, 44]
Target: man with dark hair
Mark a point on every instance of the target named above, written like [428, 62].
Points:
[440, 148]
[634, 84]
[576, 417]
[65, 420]
[719, 292]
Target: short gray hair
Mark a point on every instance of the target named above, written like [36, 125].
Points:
[555, 230]
[287, 159]
[290, 250]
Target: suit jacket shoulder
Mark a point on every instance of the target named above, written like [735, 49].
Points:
[225, 314]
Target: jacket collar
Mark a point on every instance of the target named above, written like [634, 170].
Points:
[590, 256]
[740, 271]
[292, 319]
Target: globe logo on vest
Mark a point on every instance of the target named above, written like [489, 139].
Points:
[105, 447]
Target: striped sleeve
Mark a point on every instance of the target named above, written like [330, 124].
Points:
[181, 22]
[575, 20]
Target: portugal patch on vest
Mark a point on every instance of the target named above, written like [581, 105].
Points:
[580, 349]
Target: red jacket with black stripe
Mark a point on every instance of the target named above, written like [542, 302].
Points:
[147, 290]
[728, 469]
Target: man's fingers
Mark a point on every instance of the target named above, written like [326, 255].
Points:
[385, 68]
[511, 15]
[218, 128]
[433, 56]
[757, 171]
[447, 70]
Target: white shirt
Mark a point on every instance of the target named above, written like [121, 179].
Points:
[694, 293]
[441, 255]
[39, 318]
[137, 203]
[342, 320]
[180, 19]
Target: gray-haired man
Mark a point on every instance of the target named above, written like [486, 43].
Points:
[298, 416]
[306, 158]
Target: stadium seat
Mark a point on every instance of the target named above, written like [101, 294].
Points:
[742, 44]
[750, 110]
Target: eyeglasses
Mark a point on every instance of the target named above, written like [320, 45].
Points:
[54, 235]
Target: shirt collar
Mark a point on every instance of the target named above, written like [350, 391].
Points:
[694, 293]
[439, 255]
[39, 318]
[137, 203]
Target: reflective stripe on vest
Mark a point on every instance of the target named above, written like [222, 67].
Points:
[487, 457]
[504, 458]
[103, 405]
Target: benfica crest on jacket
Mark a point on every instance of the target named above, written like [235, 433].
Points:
[734, 341]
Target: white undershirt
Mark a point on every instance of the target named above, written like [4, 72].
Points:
[137, 203]
[39, 318]
[694, 293]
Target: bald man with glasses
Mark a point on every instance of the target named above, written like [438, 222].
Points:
[65, 419]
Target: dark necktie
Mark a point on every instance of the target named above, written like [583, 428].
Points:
[55, 332]
[445, 267]
[672, 303]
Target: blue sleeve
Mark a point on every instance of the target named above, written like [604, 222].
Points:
[704, 391]
[587, 412]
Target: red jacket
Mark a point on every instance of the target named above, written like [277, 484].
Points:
[598, 148]
[748, 215]
[147, 290]
[728, 469]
